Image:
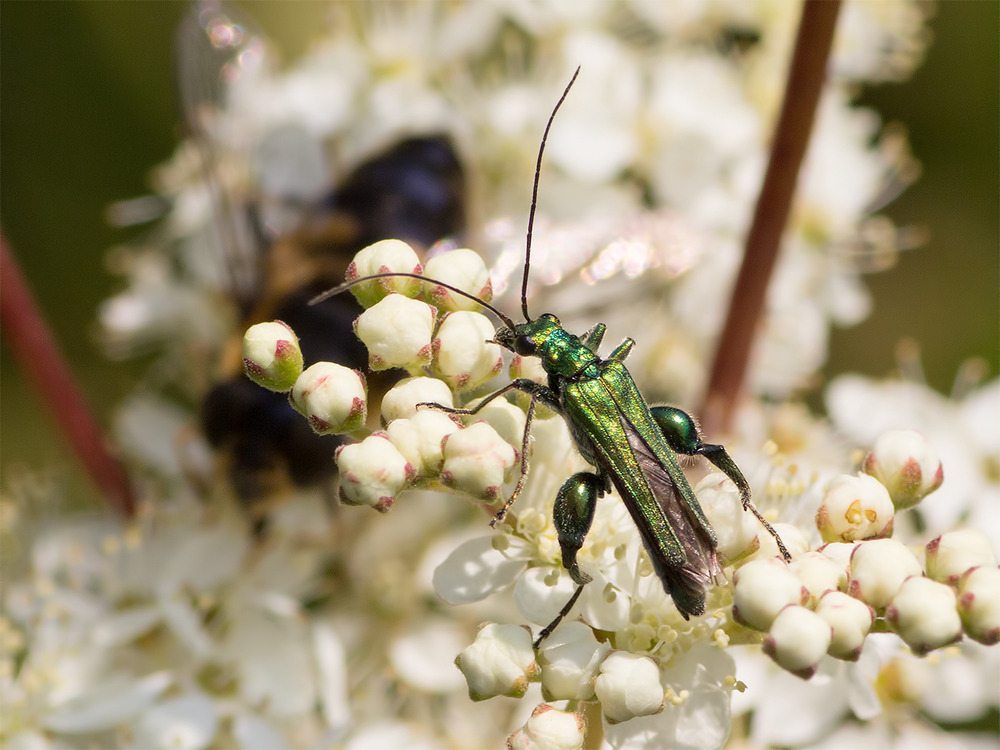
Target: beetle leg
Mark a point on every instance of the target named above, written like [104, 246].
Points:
[474, 409]
[537, 392]
[547, 630]
[525, 442]
[573, 513]
[683, 436]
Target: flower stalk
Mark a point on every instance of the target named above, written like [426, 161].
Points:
[791, 137]
[32, 343]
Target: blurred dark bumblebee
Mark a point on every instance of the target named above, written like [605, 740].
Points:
[413, 191]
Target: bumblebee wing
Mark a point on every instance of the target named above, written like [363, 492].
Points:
[203, 65]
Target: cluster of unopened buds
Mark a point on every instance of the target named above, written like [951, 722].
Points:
[826, 601]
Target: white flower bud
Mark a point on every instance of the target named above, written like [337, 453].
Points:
[950, 555]
[797, 640]
[736, 530]
[818, 574]
[476, 461]
[905, 462]
[761, 589]
[628, 686]
[878, 569]
[419, 438]
[855, 507]
[385, 256]
[791, 535]
[507, 419]
[850, 620]
[332, 397]
[400, 402]
[373, 472]
[979, 604]
[529, 368]
[570, 658]
[462, 358]
[500, 661]
[462, 268]
[550, 729]
[923, 613]
[840, 553]
[272, 357]
[397, 332]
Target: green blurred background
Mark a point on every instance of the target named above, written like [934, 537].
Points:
[87, 109]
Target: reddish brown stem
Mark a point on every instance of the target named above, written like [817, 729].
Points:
[32, 344]
[802, 92]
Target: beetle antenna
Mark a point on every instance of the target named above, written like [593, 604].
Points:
[534, 197]
[396, 274]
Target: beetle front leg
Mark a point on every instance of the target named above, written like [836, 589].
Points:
[537, 392]
[573, 514]
[684, 437]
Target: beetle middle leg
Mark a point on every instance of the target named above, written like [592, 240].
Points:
[684, 437]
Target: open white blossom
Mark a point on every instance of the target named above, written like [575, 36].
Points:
[323, 627]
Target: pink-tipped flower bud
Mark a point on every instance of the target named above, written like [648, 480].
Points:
[550, 729]
[570, 659]
[397, 332]
[797, 640]
[332, 397]
[507, 419]
[401, 401]
[462, 356]
[500, 661]
[951, 554]
[529, 368]
[840, 553]
[818, 573]
[373, 472]
[628, 686]
[738, 532]
[905, 462]
[272, 357]
[385, 256]
[461, 268]
[761, 589]
[923, 613]
[850, 620]
[878, 569]
[420, 438]
[855, 507]
[979, 604]
[476, 461]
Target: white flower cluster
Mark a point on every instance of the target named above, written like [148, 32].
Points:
[848, 578]
[193, 632]
[131, 635]
[674, 105]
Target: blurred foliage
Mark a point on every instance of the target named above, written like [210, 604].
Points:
[88, 108]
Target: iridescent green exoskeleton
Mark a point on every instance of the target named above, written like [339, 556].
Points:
[631, 445]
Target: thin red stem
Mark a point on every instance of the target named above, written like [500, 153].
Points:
[791, 137]
[34, 347]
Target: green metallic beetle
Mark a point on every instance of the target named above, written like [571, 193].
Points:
[631, 445]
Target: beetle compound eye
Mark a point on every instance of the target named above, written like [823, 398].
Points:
[525, 344]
